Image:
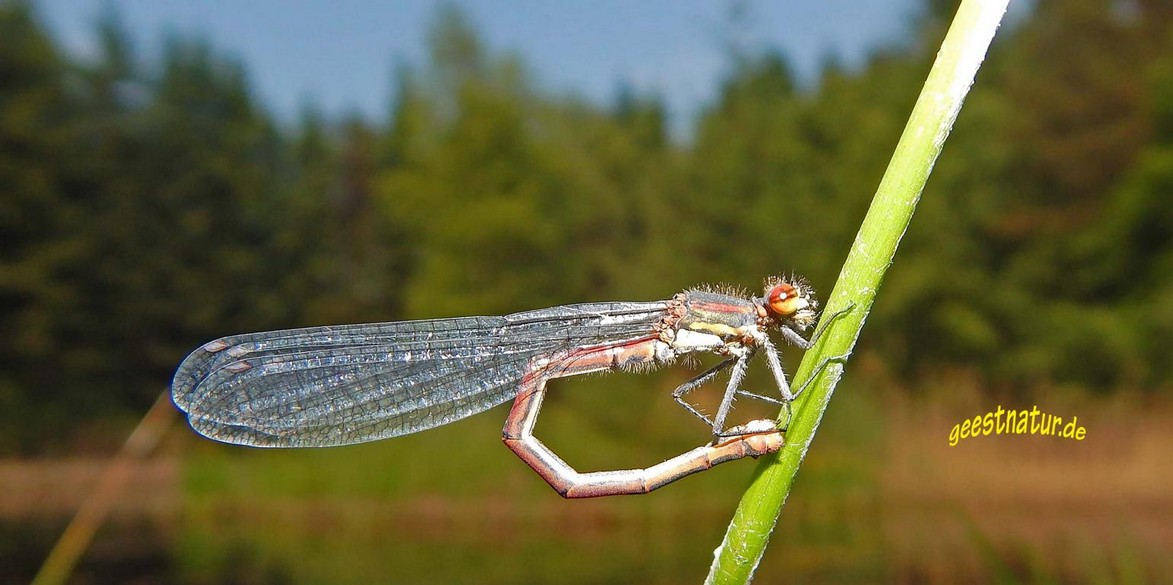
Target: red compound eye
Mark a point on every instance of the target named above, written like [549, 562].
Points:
[783, 299]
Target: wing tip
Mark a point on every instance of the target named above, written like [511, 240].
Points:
[195, 368]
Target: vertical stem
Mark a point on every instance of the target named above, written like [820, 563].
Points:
[932, 117]
[58, 566]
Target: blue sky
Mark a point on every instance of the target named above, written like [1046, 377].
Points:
[340, 55]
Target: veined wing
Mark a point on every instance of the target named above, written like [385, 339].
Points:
[339, 385]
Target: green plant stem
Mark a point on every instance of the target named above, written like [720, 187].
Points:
[932, 117]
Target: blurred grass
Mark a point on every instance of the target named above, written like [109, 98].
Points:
[885, 500]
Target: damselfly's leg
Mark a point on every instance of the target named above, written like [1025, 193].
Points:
[835, 359]
[726, 402]
[736, 377]
[775, 363]
[768, 399]
[697, 382]
[757, 438]
[733, 387]
[802, 343]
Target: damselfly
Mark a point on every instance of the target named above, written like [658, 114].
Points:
[340, 385]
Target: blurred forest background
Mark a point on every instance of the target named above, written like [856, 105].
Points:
[145, 210]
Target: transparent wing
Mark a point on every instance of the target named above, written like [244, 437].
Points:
[340, 385]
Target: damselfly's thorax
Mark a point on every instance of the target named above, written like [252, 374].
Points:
[705, 319]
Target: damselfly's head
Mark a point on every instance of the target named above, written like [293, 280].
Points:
[790, 302]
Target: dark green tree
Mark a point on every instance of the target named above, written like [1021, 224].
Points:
[38, 217]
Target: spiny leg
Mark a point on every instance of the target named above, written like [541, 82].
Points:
[775, 363]
[734, 385]
[736, 376]
[839, 359]
[797, 340]
[734, 431]
[697, 382]
[835, 359]
[768, 399]
[704, 378]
